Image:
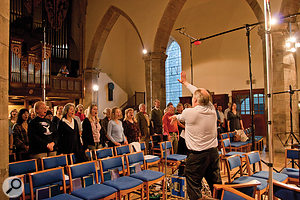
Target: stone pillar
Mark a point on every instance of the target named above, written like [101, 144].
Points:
[155, 79]
[4, 53]
[284, 74]
[90, 78]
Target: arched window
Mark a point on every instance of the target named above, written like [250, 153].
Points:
[173, 70]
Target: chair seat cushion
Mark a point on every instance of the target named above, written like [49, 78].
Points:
[96, 191]
[147, 175]
[154, 159]
[235, 153]
[64, 197]
[124, 183]
[238, 144]
[176, 157]
[276, 176]
[291, 172]
[246, 179]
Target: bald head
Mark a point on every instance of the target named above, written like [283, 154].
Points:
[201, 97]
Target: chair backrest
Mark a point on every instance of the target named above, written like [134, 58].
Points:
[133, 158]
[89, 155]
[224, 136]
[121, 150]
[46, 178]
[81, 170]
[112, 163]
[291, 154]
[104, 153]
[54, 161]
[22, 167]
[165, 145]
[156, 139]
[233, 162]
[143, 146]
[285, 191]
[226, 143]
[253, 158]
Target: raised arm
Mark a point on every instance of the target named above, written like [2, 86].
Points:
[183, 81]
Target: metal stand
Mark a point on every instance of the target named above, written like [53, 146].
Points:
[291, 136]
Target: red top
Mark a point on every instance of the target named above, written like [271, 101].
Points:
[168, 127]
[80, 115]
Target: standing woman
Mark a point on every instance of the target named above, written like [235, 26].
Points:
[13, 115]
[58, 115]
[91, 129]
[131, 129]
[69, 139]
[115, 129]
[20, 134]
[234, 119]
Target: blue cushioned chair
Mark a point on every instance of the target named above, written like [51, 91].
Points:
[54, 161]
[236, 191]
[285, 191]
[94, 191]
[254, 158]
[46, 178]
[64, 197]
[104, 153]
[226, 145]
[22, 168]
[292, 155]
[125, 184]
[237, 146]
[173, 160]
[121, 150]
[149, 177]
[73, 159]
[234, 162]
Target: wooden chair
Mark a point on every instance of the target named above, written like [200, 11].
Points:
[125, 184]
[253, 158]
[292, 156]
[285, 191]
[155, 140]
[149, 177]
[93, 191]
[123, 149]
[230, 192]
[234, 162]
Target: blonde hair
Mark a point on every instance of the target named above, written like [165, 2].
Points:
[66, 109]
[126, 113]
[113, 113]
[78, 106]
[89, 113]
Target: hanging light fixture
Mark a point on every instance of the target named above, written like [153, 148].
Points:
[291, 44]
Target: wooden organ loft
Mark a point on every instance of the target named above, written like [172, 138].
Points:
[31, 61]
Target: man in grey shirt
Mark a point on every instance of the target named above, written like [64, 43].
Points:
[201, 140]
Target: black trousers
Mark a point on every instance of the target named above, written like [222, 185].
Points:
[198, 165]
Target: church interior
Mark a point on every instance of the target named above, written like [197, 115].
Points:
[124, 54]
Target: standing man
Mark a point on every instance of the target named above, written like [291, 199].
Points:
[143, 123]
[201, 140]
[42, 134]
[222, 119]
[171, 127]
[156, 117]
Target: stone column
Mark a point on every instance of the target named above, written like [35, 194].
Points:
[4, 53]
[90, 78]
[155, 79]
[284, 74]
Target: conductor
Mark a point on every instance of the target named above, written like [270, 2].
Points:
[201, 141]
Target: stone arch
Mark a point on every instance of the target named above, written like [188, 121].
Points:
[171, 13]
[108, 21]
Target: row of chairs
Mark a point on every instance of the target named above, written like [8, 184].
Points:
[251, 159]
[108, 189]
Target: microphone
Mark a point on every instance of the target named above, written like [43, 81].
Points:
[179, 29]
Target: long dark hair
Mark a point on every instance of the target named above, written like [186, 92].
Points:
[21, 112]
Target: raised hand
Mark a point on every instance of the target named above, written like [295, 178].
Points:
[182, 77]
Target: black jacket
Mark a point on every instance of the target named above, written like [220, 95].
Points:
[41, 132]
[87, 133]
